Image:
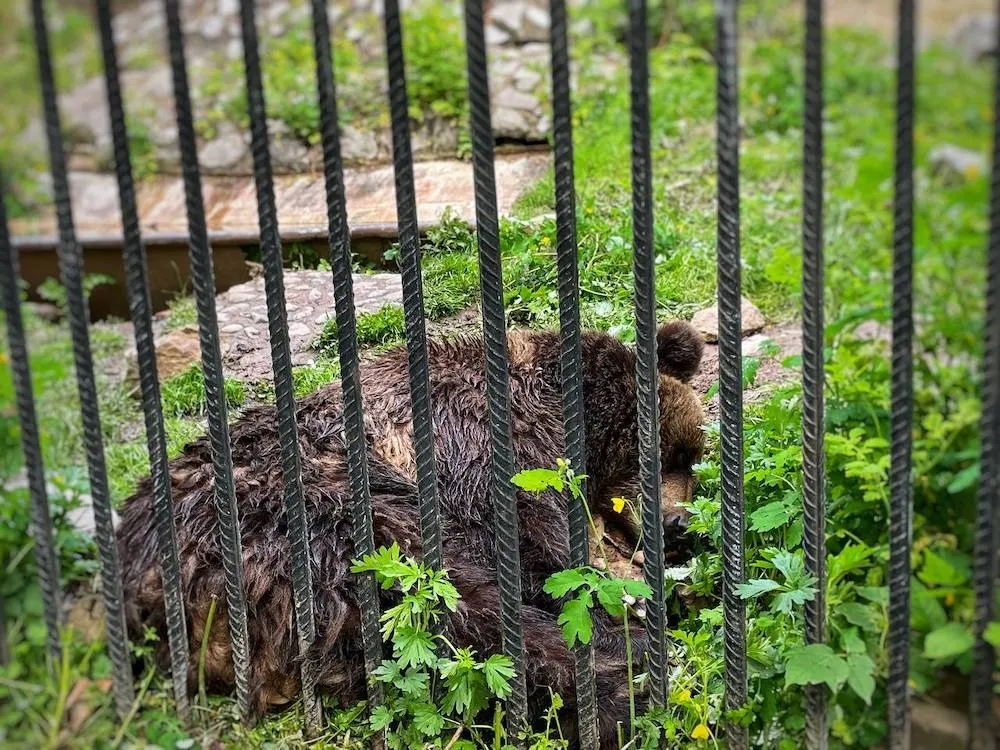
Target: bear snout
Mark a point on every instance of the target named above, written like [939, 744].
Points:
[676, 489]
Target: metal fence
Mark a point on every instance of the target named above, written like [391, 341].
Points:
[71, 268]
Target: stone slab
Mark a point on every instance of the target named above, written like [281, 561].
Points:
[244, 336]
[231, 204]
[243, 324]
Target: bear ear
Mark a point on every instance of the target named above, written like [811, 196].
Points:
[679, 346]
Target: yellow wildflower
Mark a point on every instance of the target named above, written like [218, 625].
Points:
[971, 172]
[618, 503]
[684, 696]
[701, 732]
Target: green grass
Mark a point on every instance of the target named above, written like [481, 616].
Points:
[379, 329]
[183, 395]
[311, 378]
[182, 312]
[128, 462]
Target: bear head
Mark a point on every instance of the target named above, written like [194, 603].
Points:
[613, 461]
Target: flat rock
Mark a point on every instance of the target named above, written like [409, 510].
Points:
[975, 36]
[510, 123]
[707, 320]
[175, 352]
[301, 201]
[956, 163]
[243, 322]
[358, 145]
[522, 21]
[225, 154]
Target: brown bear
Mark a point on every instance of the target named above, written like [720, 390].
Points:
[462, 453]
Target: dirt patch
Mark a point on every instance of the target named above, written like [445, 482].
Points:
[786, 336]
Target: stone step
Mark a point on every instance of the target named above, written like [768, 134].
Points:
[231, 205]
[231, 213]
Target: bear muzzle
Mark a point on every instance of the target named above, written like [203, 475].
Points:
[676, 489]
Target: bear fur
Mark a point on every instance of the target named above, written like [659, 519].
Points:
[462, 453]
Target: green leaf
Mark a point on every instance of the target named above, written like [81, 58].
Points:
[948, 641]
[414, 646]
[498, 670]
[793, 534]
[860, 676]
[858, 614]
[559, 584]
[786, 600]
[852, 641]
[711, 616]
[387, 672]
[444, 589]
[750, 367]
[791, 565]
[413, 682]
[992, 634]
[926, 612]
[876, 594]
[679, 573]
[755, 587]
[793, 362]
[636, 588]
[427, 719]
[964, 479]
[610, 598]
[575, 619]
[459, 695]
[538, 480]
[770, 517]
[380, 718]
[851, 558]
[937, 571]
[385, 562]
[815, 664]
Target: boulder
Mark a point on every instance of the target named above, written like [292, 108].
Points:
[975, 36]
[957, 164]
[175, 353]
[707, 320]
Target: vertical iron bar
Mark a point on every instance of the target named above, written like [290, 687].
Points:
[571, 356]
[281, 359]
[497, 376]
[901, 419]
[813, 479]
[981, 724]
[203, 278]
[71, 272]
[413, 292]
[41, 524]
[134, 257]
[647, 374]
[343, 288]
[730, 363]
